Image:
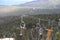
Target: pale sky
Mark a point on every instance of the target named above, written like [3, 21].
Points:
[13, 2]
[17, 2]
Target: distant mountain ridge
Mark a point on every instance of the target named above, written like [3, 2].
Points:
[41, 4]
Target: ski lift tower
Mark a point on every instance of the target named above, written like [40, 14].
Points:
[58, 24]
[22, 26]
[38, 30]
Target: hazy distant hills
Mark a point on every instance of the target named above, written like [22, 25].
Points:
[17, 10]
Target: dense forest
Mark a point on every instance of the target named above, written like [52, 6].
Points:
[11, 26]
